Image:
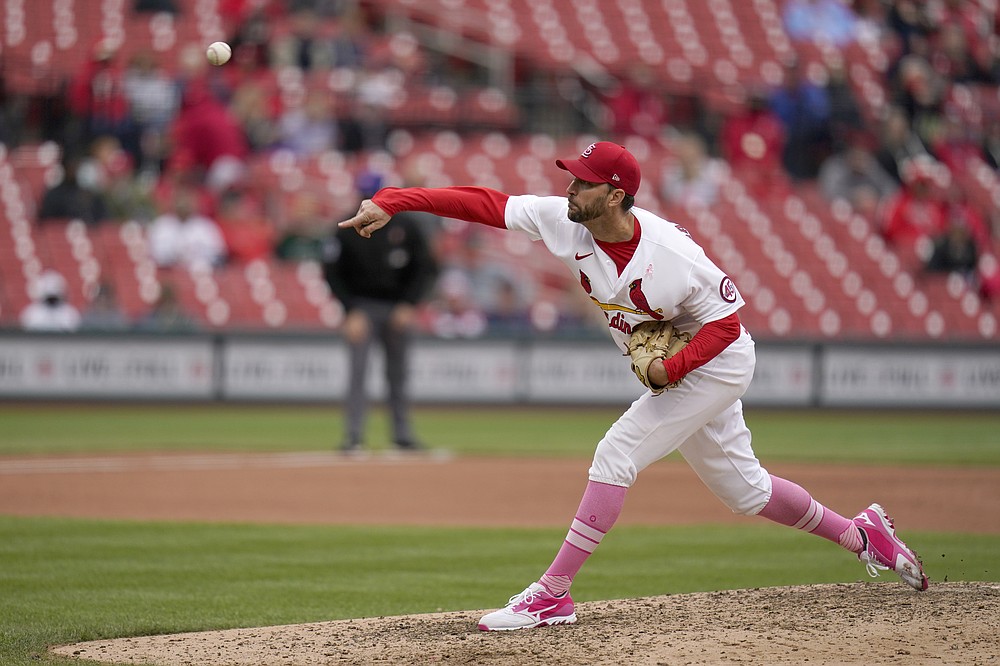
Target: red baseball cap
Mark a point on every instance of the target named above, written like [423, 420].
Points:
[606, 162]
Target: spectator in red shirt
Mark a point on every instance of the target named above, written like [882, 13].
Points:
[636, 105]
[97, 97]
[207, 135]
[247, 232]
[917, 212]
[752, 141]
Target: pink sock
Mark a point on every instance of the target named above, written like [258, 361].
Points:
[599, 509]
[792, 505]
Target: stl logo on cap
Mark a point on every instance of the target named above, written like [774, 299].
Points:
[587, 153]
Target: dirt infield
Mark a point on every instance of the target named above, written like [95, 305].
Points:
[953, 623]
[322, 488]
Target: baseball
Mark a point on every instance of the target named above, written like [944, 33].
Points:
[219, 53]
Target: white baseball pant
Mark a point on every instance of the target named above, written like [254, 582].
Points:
[703, 419]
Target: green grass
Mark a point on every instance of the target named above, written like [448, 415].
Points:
[64, 581]
[938, 438]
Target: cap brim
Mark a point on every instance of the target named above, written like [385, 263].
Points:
[581, 171]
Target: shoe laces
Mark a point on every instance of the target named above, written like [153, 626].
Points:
[871, 565]
[527, 596]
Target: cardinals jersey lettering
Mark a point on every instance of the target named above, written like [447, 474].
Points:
[669, 277]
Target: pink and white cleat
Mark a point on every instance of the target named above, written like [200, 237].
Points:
[883, 550]
[534, 607]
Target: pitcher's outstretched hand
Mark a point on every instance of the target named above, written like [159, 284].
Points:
[368, 219]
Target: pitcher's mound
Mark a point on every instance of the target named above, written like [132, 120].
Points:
[861, 623]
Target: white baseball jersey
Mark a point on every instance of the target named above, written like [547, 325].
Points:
[669, 277]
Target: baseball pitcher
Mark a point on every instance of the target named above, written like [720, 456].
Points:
[675, 314]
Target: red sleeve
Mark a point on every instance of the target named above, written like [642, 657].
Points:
[473, 204]
[706, 344]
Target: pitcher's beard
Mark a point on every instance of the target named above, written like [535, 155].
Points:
[591, 212]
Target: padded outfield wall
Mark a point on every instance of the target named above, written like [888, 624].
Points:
[503, 371]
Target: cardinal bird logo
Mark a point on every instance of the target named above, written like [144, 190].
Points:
[639, 299]
[585, 282]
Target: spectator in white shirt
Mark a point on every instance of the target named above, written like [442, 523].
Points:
[49, 310]
[185, 237]
[693, 178]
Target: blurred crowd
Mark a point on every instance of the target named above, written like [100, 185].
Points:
[170, 145]
[910, 168]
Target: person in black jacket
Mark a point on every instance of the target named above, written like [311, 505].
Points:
[69, 199]
[379, 284]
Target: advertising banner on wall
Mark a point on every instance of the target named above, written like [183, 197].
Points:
[579, 373]
[489, 372]
[117, 367]
[318, 371]
[853, 377]
[784, 376]
[503, 372]
[294, 370]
